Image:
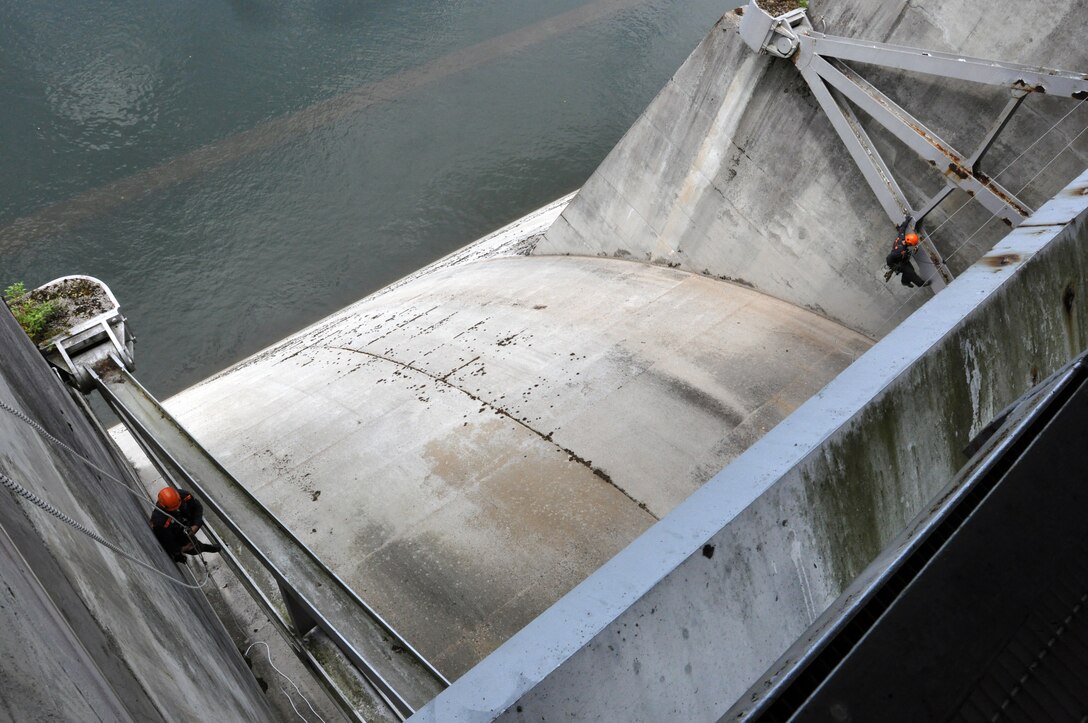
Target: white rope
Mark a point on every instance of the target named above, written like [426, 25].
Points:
[285, 693]
[966, 241]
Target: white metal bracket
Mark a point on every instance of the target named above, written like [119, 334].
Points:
[91, 339]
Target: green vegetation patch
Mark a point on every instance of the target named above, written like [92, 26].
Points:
[36, 316]
[56, 307]
[781, 7]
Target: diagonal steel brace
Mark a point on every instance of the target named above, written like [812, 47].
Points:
[820, 59]
[923, 141]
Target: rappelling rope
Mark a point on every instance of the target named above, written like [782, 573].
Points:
[47, 507]
[1013, 161]
[53, 440]
[27, 494]
[38, 501]
[282, 688]
[992, 216]
[111, 477]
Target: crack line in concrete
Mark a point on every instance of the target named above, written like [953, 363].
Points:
[573, 456]
[446, 376]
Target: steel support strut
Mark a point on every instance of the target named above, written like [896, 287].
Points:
[820, 59]
[924, 142]
[1013, 76]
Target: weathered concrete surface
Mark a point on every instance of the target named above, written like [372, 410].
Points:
[684, 619]
[734, 172]
[88, 635]
[228, 504]
[465, 447]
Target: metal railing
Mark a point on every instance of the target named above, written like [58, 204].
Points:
[312, 594]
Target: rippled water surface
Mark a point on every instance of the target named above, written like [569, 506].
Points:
[236, 170]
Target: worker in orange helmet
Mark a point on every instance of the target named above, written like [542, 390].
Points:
[899, 260]
[176, 519]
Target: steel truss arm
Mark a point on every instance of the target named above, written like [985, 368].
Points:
[821, 59]
[916, 136]
[876, 173]
[948, 65]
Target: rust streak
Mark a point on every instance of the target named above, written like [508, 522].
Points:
[1001, 260]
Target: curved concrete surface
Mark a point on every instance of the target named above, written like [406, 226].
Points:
[466, 447]
[733, 171]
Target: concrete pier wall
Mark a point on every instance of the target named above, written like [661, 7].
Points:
[735, 172]
[88, 635]
[683, 621]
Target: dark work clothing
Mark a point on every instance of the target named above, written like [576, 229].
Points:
[910, 277]
[899, 258]
[899, 262]
[174, 537]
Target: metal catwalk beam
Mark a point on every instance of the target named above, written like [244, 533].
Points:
[315, 597]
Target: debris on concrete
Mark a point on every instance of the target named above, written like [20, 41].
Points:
[780, 7]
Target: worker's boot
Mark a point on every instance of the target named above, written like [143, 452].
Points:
[205, 547]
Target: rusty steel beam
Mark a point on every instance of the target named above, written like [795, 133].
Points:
[820, 59]
[856, 140]
[923, 141]
[1013, 76]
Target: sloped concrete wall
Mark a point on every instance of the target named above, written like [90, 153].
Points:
[734, 171]
[87, 635]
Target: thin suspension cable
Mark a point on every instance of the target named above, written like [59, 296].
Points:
[26, 494]
[1040, 138]
[959, 248]
[64, 518]
[1030, 181]
[1012, 162]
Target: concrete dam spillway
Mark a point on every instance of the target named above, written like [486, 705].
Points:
[469, 444]
[485, 434]
[477, 454]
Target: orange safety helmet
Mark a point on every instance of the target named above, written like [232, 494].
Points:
[912, 239]
[169, 499]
